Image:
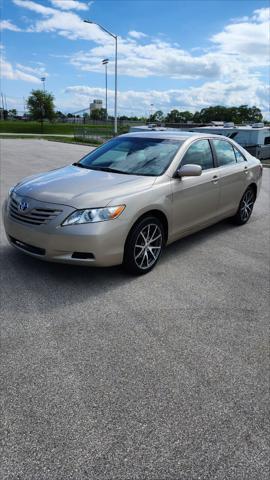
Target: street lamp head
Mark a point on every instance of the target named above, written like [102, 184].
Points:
[102, 28]
[105, 61]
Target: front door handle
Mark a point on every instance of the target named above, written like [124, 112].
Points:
[215, 179]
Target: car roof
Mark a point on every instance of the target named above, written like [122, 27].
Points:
[172, 135]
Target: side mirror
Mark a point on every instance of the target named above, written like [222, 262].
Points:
[189, 170]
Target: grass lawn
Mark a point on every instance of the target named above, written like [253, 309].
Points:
[51, 138]
[92, 142]
[51, 128]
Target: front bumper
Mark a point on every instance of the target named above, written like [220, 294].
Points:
[103, 241]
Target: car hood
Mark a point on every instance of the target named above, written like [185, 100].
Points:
[81, 188]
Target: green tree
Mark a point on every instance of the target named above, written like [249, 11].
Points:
[186, 116]
[238, 115]
[12, 112]
[175, 116]
[60, 115]
[98, 114]
[41, 105]
[158, 116]
[256, 114]
[5, 113]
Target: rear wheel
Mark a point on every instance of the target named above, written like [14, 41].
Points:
[144, 246]
[245, 207]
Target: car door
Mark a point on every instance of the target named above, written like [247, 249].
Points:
[195, 199]
[232, 169]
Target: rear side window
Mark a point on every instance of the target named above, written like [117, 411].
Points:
[199, 153]
[239, 156]
[224, 152]
[267, 141]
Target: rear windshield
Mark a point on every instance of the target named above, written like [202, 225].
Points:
[133, 155]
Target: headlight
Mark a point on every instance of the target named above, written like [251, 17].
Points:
[11, 190]
[93, 215]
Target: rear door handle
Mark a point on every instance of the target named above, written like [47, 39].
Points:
[246, 170]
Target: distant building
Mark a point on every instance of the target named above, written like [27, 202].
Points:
[95, 105]
[217, 123]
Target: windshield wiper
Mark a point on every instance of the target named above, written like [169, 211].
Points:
[102, 169]
[108, 169]
[78, 164]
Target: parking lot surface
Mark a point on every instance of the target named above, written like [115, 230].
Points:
[106, 376]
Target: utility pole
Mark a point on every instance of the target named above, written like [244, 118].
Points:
[3, 106]
[105, 62]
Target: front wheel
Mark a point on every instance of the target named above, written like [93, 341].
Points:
[245, 207]
[144, 246]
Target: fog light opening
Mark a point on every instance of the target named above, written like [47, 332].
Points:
[83, 256]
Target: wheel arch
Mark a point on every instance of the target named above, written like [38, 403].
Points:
[254, 188]
[152, 213]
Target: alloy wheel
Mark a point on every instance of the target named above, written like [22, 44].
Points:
[247, 205]
[148, 246]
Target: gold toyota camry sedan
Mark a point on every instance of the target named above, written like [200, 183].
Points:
[123, 202]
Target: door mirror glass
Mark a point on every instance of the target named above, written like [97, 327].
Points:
[189, 171]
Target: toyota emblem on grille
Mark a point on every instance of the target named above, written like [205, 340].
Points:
[23, 206]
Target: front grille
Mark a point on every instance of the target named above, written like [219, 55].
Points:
[36, 216]
[27, 247]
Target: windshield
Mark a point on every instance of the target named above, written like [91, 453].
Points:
[133, 155]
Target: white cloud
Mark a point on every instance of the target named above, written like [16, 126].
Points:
[65, 23]
[35, 7]
[69, 5]
[8, 71]
[7, 25]
[237, 49]
[231, 68]
[191, 98]
[153, 59]
[261, 15]
[39, 70]
[137, 35]
[248, 39]
[19, 72]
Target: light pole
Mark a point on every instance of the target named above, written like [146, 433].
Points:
[105, 62]
[43, 81]
[151, 111]
[115, 76]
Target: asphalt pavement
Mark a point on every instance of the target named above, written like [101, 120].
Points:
[106, 376]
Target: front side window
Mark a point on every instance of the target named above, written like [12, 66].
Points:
[267, 141]
[133, 156]
[199, 153]
[224, 152]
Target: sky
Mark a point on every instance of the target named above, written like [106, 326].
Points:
[184, 54]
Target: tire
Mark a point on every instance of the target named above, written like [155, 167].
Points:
[245, 207]
[144, 245]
